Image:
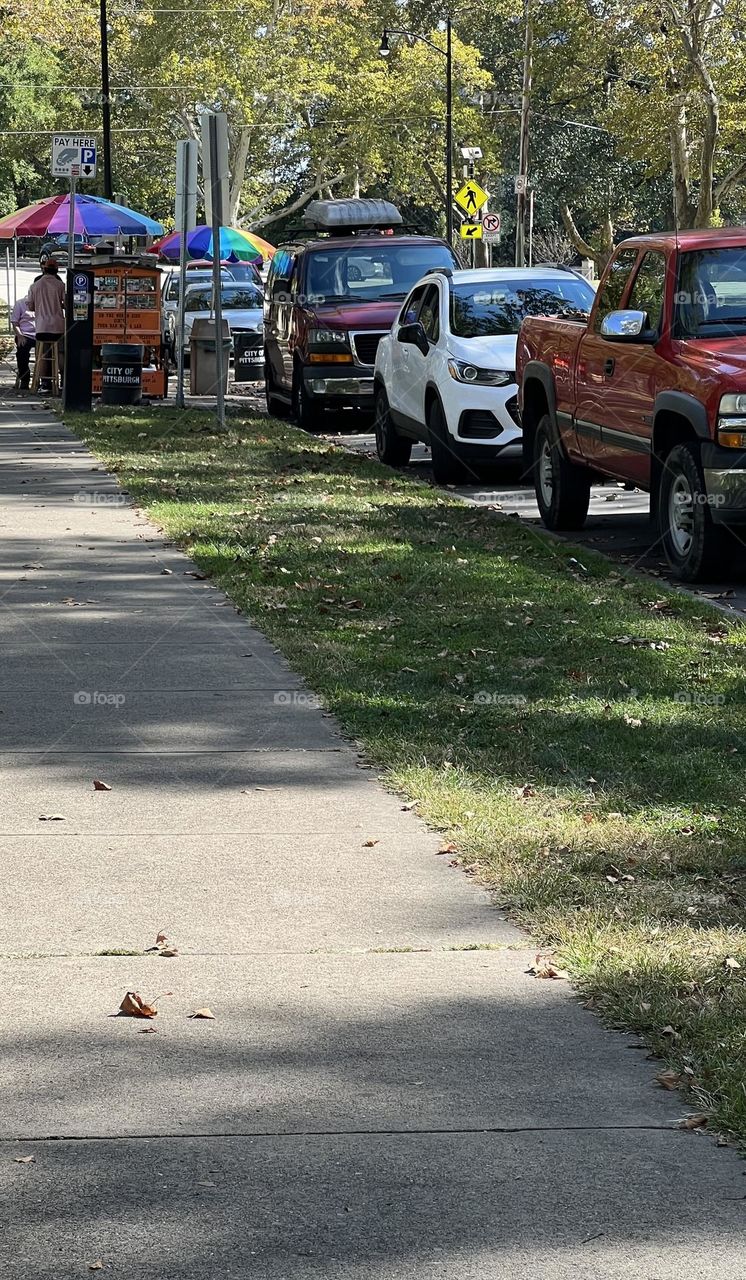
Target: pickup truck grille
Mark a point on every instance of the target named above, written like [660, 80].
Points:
[365, 346]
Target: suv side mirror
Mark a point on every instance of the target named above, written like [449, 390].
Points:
[280, 285]
[627, 326]
[414, 335]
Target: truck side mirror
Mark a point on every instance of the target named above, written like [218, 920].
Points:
[627, 326]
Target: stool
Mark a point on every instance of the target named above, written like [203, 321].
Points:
[46, 354]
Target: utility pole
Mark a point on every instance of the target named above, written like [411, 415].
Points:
[522, 183]
[106, 101]
[449, 134]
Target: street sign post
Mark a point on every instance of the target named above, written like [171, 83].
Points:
[471, 231]
[491, 225]
[73, 156]
[471, 197]
[186, 217]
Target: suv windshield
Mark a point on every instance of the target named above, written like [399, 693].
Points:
[711, 293]
[370, 273]
[236, 298]
[498, 306]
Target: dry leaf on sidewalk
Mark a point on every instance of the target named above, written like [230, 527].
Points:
[24, 1159]
[368, 844]
[96, 1266]
[202, 1013]
[51, 817]
[697, 1121]
[668, 1079]
[133, 1006]
[98, 785]
[163, 946]
[449, 847]
[543, 967]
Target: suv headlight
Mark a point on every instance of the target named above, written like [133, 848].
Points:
[732, 421]
[327, 338]
[462, 371]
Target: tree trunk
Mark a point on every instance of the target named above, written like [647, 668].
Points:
[599, 257]
[238, 173]
[683, 211]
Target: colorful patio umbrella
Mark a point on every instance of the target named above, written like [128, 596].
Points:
[235, 244]
[94, 216]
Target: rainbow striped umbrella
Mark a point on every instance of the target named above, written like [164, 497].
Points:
[235, 244]
[94, 216]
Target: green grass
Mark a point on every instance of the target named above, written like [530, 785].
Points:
[579, 737]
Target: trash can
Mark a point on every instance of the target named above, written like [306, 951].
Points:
[248, 356]
[203, 358]
[121, 373]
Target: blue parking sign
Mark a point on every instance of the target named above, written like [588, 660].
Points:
[87, 155]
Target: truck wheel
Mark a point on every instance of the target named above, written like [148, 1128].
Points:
[275, 406]
[391, 448]
[308, 417]
[563, 490]
[448, 466]
[694, 546]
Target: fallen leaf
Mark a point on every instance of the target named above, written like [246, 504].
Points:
[526, 792]
[168, 951]
[697, 1121]
[543, 967]
[24, 1159]
[668, 1079]
[450, 847]
[98, 785]
[411, 804]
[202, 1013]
[96, 1266]
[161, 938]
[633, 722]
[730, 962]
[133, 1006]
[51, 817]
[146, 1031]
[368, 844]
[166, 572]
[207, 1184]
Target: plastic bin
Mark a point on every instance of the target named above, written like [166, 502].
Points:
[121, 372]
[203, 358]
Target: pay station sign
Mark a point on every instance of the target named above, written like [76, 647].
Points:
[73, 156]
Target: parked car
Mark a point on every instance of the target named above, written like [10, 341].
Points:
[57, 246]
[170, 289]
[445, 374]
[241, 306]
[330, 300]
[651, 390]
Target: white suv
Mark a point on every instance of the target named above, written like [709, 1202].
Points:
[445, 374]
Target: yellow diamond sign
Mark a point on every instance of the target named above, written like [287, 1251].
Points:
[471, 231]
[471, 197]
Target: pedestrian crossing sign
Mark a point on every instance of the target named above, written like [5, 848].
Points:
[471, 231]
[471, 197]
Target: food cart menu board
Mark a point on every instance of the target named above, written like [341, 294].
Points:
[126, 304]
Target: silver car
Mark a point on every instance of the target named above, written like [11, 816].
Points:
[241, 306]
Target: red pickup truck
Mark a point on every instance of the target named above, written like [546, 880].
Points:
[650, 390]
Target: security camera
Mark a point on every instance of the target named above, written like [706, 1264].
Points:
[471, 153]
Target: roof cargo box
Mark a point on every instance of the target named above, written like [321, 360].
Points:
[351, 215]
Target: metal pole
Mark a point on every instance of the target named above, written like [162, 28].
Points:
[449, 134]
[15, 268]
[520, 221]
[183, 228]
[71, 228]
[69, 290]
[531, 229]
[7, 285]
[106, 101]
[216, 203]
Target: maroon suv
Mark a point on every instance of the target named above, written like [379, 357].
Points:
[329, 301]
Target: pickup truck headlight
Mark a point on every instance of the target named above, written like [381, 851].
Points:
[732, 421]
[462, 371]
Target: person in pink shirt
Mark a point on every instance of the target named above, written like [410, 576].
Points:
[22, 322]
[46, 298]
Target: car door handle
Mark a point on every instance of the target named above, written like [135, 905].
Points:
[609, 367]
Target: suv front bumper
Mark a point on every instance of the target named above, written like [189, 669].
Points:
[348, 387]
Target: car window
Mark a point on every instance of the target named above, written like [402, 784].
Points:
[238, 298]
[711, 293]
[496, 307]
[411, 307]
[613, 291]
[372, 273]
[430, 312]
[648, 289]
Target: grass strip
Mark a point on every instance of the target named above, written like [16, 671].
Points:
[579, 736]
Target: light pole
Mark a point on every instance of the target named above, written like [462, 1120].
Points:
[105, 100]
[384, 51]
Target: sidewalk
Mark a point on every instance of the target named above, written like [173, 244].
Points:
[384, 1093]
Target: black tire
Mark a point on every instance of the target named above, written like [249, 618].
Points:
[449, 466]
[393, 449]
[277, 407]
[563, 490]
[305, 412]
[695, 547]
